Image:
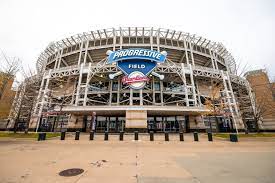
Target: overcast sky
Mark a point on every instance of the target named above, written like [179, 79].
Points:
[245, 27]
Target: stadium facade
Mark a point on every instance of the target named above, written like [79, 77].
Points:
[139, 78]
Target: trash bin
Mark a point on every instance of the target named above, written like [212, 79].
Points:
[44, 135]
[40, 138]
[63, 134]
[233, 137]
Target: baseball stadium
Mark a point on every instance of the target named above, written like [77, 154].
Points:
[138, 78]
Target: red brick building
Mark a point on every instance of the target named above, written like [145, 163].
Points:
[264, 92]
[6, 99]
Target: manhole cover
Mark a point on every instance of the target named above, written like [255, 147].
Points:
[71, 172]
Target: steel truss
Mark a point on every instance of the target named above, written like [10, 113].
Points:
[180, 87]
[91, 88]
[136, 37]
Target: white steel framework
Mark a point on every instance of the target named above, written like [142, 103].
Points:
[81, 61]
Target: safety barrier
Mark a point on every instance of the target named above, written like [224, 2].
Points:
[77, 134]
[166, 135]
[151, 136]
[92, 134]
[181, 136]
[106, 136]
[196, 136]
[121, 135]
[136, 135]
[232, 137]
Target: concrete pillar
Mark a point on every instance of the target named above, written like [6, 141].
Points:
[136, 119]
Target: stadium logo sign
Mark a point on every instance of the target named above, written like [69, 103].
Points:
[136, 64]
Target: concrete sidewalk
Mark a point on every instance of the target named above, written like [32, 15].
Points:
[137, 161]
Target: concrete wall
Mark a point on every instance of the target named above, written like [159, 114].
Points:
[136, 119]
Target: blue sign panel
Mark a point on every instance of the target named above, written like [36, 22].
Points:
[143, 66]
[136, 64]
[136, 53]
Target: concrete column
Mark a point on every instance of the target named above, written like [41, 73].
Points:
[79, 85]
[191, 52]
[228, 100]
[140, 97]
[87, 84]
[131, 96]
[136, 119]
[86, 51]
[80, 53]
[43, 100]
[186, 52]
[193, 85]
[59, 58]
[185, 84]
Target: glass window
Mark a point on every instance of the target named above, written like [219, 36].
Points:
[115, 86]
[157, 86]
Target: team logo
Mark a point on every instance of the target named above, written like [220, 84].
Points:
[136, 80]
[136, 64]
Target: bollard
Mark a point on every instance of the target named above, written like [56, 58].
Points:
[210, 136]
[181, 136]
[63, 134]
[39, 137]
[136, 135]
[233, 137]
[166, 136]
[121, 133]
[77, 133]
[151, 136]
[196, 136]
[106, 135]
[92, 133]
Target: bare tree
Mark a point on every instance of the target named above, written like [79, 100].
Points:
[25, 99]
[58, 97]
[8, 69]
[33, 83]
[242, 95]
[263, 107]
[214, 103]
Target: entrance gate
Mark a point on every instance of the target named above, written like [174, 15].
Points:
[110, 123]
[166, 123]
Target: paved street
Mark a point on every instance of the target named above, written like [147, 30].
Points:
[248, 161]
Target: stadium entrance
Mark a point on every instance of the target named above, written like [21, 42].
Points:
[168, 123]
[110, 123]
[115, 124]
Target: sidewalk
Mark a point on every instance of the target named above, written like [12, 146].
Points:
[137, 161]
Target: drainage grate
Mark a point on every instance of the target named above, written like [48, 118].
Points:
[71, 172]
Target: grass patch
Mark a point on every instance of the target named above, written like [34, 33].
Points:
[226, 135]
[29, 135]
